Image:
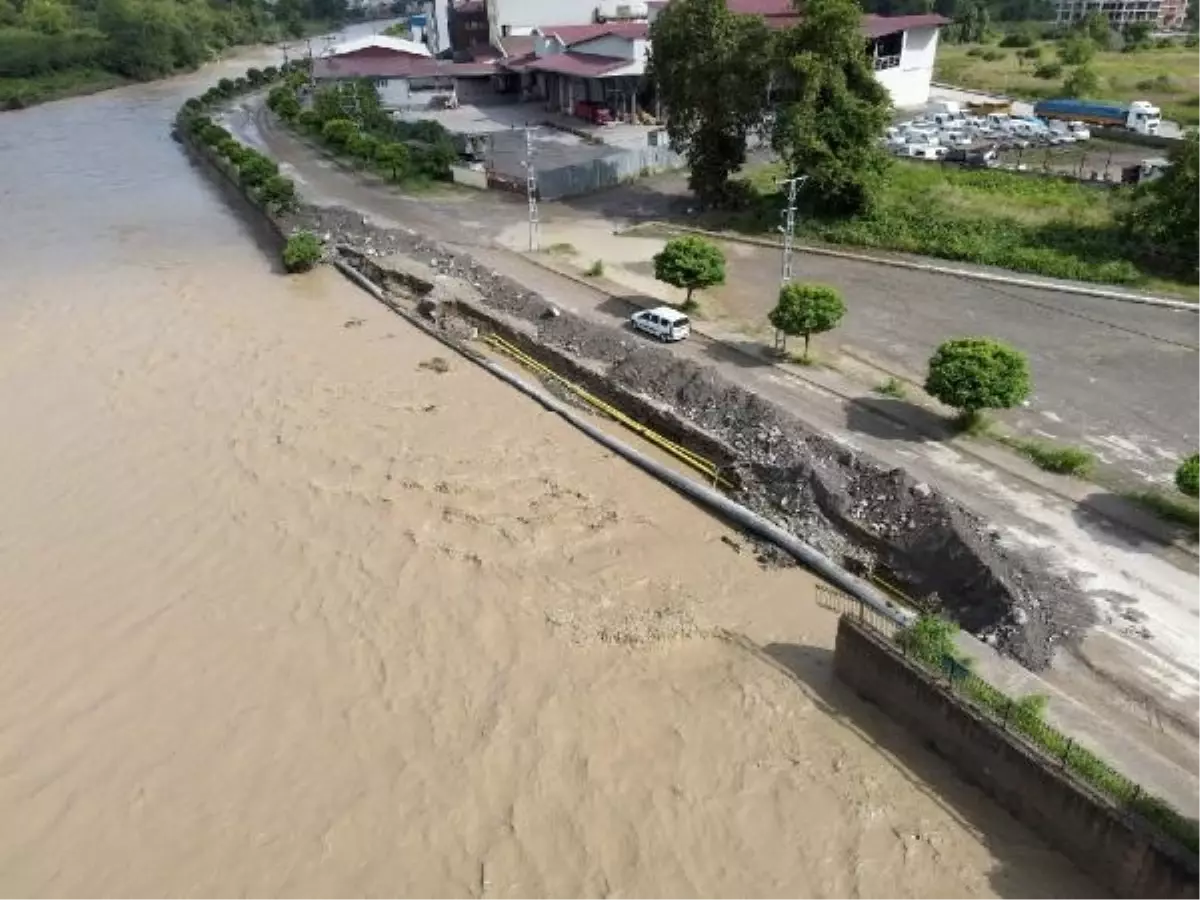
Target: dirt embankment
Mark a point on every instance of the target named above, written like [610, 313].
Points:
[834, 497]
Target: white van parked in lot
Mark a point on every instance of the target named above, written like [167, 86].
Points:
[662, 322]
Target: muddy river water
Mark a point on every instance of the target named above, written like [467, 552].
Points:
[283, 612]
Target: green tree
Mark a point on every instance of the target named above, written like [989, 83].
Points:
[1187, 476]
[971, 22]
[392, 158]
[278, 191]
[690, 263]
[1082, 82]
[47, 16]
[1164, 213]
[302, 251]
[255, 76]
[362, 146]
[1097, 28]
[1138, 34]
[711, 70]
[1076, 50]
[833, 110]
[974, 374]
[338, 131]
[255, 169]
[807, 309]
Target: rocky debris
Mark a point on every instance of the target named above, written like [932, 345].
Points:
[837, 499]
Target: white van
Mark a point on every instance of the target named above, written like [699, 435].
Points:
[662, 322]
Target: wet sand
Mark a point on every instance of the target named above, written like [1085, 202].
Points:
[285, 613]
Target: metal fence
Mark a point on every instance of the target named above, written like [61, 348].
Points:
[1022, 717]
[623, 164]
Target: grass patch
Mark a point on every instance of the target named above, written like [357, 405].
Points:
[893, 387]
[1165, 76]
[1173, 508]
[18, 93]
[929, 641]
[1060, 459]
[595, 270]
[1046, 226]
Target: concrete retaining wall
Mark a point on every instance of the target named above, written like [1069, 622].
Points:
[1121, 851]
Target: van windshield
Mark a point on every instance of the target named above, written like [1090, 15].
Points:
[681, 322]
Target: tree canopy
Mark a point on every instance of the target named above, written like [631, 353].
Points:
[690, 263]
[1164, 213]
[141, 39]
[973, 374]
[832, 109]
[711, 70]
[807, 309]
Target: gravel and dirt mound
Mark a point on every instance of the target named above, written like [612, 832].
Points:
[834, 497]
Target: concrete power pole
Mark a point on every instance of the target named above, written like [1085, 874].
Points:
[789, 237]
[531, 190]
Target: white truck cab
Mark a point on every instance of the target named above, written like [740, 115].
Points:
[1144, 117]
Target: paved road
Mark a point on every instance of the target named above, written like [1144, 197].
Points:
[1116, 570]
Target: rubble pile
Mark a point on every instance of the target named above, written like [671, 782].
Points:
[833, 497]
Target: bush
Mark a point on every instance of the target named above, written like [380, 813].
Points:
[807, 309]
[338, 131]
[233, 150]
[308, 120]
[993, 55]
[974, 374]
[929, 639]
[1187, 476]
[1049, 71]
[1031, 53]
[1018, 39]
[1083, 82]
[302, 251]
[255, 76]
[976, 52]
[254, 168]
[270, 73]
[225, 86]
[690, 263]
[1076, 50]
[193, 104]
[278, 191]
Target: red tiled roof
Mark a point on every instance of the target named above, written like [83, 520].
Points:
[585, 65]
[878, 26]
[398, 67]
[517, 45]
[762, 7]
[577, 34]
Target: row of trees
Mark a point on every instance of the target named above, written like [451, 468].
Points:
[809, 90]
[349, 118]
[142, 39]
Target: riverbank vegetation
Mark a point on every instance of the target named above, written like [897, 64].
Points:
[348, 120]
[56, 48]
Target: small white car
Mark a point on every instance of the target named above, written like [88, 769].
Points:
[662, 322]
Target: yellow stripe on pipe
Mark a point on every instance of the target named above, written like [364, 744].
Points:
[682, 453]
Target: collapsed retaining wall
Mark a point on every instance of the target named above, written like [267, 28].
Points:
[831, 496]
[1122, 851]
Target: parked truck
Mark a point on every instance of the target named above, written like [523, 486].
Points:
[1139, 116]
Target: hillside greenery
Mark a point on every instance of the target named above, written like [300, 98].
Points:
[54, 48]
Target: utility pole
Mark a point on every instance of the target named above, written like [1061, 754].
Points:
[531, 190]
[789, 236]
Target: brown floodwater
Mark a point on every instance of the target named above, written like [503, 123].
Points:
[283, 612]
